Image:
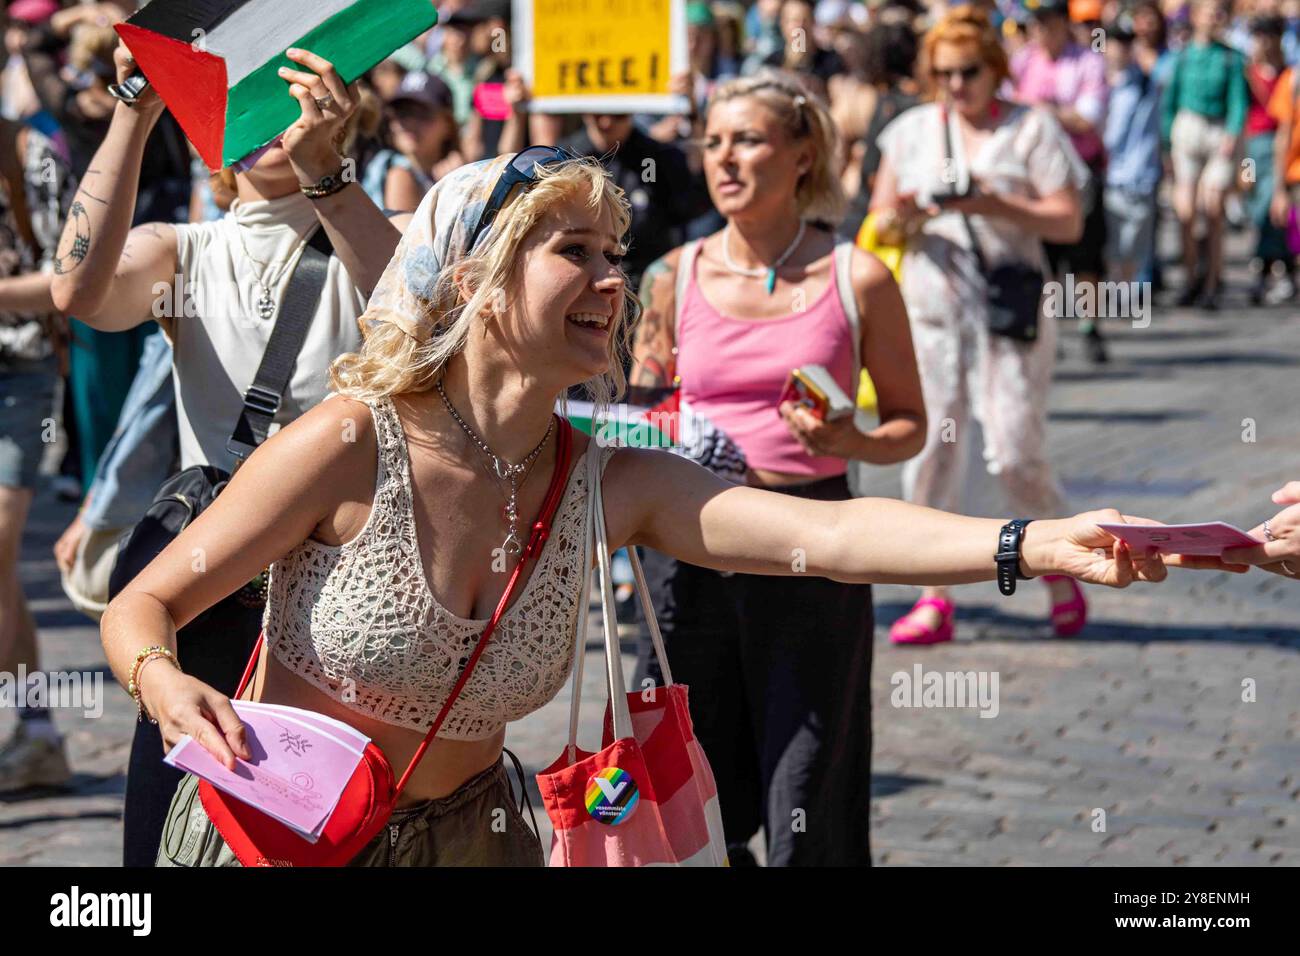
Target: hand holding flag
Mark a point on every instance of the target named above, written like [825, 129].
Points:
[315, 141]
[217, 65]
[147, 104]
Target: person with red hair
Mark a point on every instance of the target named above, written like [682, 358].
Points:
[971, 182]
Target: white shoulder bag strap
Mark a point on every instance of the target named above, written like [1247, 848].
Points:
[685, 269]
[584, 595]
[613, 654]
[615, 685]
[849, 303]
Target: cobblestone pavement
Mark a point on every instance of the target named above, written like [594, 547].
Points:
[1142, 716]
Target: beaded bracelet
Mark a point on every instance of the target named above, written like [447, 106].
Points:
[133, 686]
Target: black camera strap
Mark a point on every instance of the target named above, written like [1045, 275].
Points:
[949, 161]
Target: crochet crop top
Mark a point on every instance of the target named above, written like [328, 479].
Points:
[363, 612]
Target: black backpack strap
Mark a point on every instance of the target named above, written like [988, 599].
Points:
[262, 400]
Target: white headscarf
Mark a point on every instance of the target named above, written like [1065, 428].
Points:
[434, 241]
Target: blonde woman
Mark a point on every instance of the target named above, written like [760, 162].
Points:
[1009, 180]
[231, 276]
[382, 512]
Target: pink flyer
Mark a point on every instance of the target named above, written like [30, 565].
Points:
[297, 773]
[1210, 538]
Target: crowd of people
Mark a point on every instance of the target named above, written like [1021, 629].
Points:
[977, 150]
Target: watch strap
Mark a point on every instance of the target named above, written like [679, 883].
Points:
[1008, 555]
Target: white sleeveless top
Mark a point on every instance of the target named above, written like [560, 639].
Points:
[363, 612]
[218, 338]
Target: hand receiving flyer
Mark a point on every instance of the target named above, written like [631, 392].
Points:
[1210, 538]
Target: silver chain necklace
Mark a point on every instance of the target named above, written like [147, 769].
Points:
[503, 470]
[266, 302]
[770, 271]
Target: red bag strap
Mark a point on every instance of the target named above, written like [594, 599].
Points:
[541, 531]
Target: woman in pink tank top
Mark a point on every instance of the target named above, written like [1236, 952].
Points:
[789, 686]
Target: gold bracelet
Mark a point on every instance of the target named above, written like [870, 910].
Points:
[133, 686]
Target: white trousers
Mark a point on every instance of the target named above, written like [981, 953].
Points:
[968, 374]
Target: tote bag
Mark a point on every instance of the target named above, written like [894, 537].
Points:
[648, 798]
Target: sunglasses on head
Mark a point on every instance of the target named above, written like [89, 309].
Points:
[967, 73]
[520, 170]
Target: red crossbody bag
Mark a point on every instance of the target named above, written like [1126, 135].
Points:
[370, 795]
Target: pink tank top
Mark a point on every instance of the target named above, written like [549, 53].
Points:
[733, 371]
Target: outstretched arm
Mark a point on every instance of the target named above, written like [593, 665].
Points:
[672, 505]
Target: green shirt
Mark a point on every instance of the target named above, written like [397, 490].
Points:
[461, 80]
[1209, 79]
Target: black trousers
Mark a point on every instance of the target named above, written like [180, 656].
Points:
[214, 648]
[780, 676]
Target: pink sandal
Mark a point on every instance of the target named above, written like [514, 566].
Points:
[1068, 617]
[904, 631]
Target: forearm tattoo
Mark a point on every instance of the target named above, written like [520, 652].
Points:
[74, 244]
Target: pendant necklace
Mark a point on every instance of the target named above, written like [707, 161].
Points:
[770, 272]
[265, 301]
[503, 470]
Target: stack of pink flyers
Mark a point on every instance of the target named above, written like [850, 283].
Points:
[301, 763]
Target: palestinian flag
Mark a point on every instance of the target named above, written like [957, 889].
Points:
[631, 426]
[214, 62]
[672, 425]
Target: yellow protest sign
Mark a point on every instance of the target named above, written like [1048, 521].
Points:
[600, 55]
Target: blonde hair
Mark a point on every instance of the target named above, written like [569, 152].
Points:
[394, 359]
[965, 26]
[803, 116]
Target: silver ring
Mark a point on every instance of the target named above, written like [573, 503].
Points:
[324, 102]
[1287, 568]
[1268, 534]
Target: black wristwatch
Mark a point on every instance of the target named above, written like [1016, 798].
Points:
[1008, 555]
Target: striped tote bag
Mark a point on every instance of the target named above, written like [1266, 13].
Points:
[648, 797]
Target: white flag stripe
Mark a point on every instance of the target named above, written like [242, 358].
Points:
[263, 29]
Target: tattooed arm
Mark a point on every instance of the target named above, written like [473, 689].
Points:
[101, 276]
[653, 361]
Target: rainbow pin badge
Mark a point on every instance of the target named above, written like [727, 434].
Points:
[611, 796]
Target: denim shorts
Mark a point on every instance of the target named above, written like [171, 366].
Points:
[26, 409]
[477, 825]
